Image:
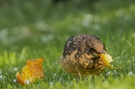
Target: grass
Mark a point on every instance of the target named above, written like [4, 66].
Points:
[29, 30]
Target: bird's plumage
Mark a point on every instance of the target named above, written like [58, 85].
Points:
[81, 55]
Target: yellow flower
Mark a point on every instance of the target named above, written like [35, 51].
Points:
[106, 58]
[32, 71]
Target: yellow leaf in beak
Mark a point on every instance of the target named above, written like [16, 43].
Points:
[106, 58]
[32, 71]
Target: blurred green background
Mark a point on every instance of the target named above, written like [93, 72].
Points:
[32, 29]
[28, 22]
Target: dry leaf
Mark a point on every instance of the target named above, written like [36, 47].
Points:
[32, 71]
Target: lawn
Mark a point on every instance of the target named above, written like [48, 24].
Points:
[31, 29]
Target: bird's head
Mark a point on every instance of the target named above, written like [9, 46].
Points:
[93, 46]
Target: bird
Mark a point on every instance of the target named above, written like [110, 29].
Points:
[85, 55]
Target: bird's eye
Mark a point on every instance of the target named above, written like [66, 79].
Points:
[91, 50]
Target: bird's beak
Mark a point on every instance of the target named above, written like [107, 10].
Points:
[101, 51]
[106, 58]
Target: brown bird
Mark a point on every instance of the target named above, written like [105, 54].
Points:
[85, 55]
